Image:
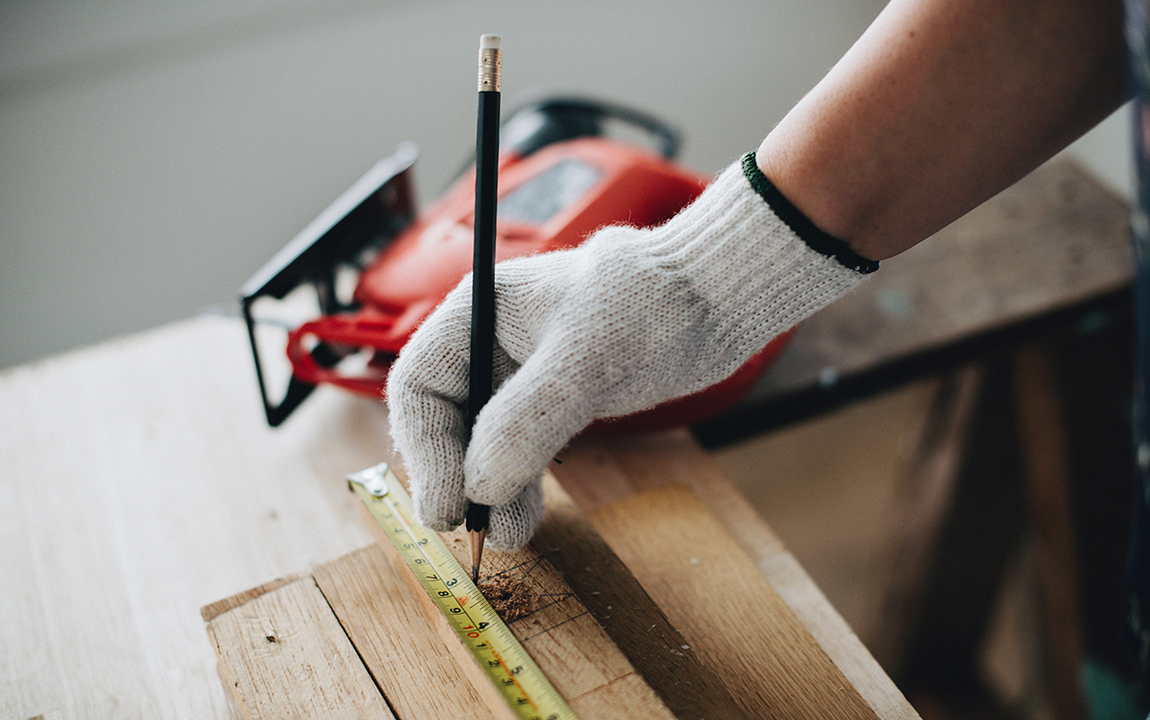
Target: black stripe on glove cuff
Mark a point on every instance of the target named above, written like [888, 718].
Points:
[801, 225]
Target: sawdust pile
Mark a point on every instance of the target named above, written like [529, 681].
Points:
[510, 599]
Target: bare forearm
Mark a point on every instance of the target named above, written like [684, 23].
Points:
[939, 106]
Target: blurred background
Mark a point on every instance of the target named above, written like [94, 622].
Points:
[154, 154]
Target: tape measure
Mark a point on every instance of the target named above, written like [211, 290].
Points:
[497, 651]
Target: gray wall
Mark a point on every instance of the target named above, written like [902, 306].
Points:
[154, 154]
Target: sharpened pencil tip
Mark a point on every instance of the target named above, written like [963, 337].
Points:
[477, 538]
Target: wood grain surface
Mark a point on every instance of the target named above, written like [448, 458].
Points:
[599, 470]
[680, 622]
[587, 668]
[263, 643]
[404, 654]
[185, 497]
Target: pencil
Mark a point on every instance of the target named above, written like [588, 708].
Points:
[483, 263]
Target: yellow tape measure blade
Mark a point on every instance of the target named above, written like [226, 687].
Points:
[491, 643]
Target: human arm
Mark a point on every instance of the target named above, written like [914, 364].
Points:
[939, 106]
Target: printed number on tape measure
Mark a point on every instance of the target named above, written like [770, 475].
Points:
[498, 652]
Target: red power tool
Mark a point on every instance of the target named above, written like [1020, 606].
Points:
[347, 292]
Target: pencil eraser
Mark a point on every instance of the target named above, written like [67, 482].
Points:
[490, 42]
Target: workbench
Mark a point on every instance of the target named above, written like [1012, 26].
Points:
[142, 485]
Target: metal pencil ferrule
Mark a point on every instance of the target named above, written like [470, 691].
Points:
[490, 70]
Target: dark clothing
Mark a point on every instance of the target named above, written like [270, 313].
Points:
[1136, 611]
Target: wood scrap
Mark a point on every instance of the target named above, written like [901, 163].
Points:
[413, 668]
[590, 671]
[644, 628]
[283, 654]
[725, 609]
[511, 600]
[599, 471]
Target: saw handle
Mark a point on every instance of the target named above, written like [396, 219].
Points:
[318, 347]
[543, 123]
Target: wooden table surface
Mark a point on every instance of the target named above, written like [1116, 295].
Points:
[140, 483]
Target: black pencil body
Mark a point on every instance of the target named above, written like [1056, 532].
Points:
[483, 273]
[483, 261]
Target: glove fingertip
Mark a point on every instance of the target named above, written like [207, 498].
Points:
[439, 517]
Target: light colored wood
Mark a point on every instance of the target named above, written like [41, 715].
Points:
[353, 618]
[423, 670]
[598, 470]
[567, 643]
[263, 642]
[402, 652]
[627, 613]
[139, 483]
[725, 608]
[211, 612]
[143, 484]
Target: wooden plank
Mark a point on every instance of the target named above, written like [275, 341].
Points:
[588, 670]
[713, 593]
[1046, 471]
[360, 605]
[598, 470]
[587, 653]
[596, 629]
[408, 660]
[284, 655]
[214, 610]
[627, 613]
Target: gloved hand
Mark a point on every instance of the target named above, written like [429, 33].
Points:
[627, 320]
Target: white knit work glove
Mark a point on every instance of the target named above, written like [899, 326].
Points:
[627, 320]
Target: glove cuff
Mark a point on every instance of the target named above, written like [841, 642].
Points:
[819, 241]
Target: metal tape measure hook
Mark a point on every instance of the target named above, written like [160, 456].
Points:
[373, 480]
